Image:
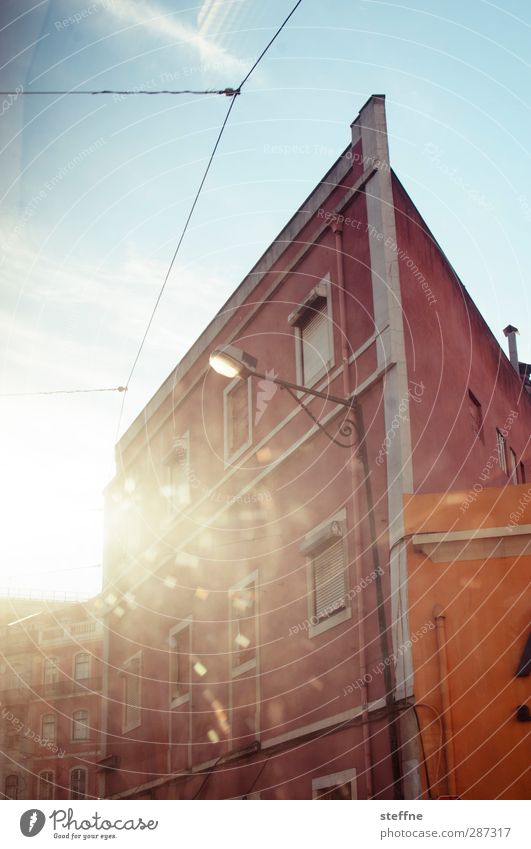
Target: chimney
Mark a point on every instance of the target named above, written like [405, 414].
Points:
[510, 332]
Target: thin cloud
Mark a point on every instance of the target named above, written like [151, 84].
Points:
[163, 24]
[216, 16]
[53, 312]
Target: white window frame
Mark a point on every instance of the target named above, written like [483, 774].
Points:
[344, 613]
[78, 724]
[42, 773]
[230, 458]
[235, 671]
[298, 334]
[130, 726]
[15, 676]
[335, 779]
[180, 700]
[81, 680]
[18, 784]
[478, 415]
[50, 739]
[50, 664]
[70, 791]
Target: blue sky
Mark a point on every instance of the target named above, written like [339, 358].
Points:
[95, 192]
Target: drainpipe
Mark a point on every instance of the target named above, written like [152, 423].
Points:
[361, 472]
[440, 631]
[337, 228]
[104, 706]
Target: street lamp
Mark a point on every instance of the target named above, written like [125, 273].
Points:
[230, 362]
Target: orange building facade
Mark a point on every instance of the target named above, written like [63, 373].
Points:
[468, 584]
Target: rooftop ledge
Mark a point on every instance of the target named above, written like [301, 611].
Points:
[475, 544]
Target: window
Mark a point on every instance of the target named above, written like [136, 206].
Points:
[178, 474]
[179, 659]
[11, 786]
[339, 785]
[502, 455]
[237, 418]
[81, 667]
[521, 473]
[132, 693]
[15, 677]
[476, 414]
[50, 674]
[328, 600]
[49, 727]
[78, 783]
[524, 665]
[314, 338]
[315, 346]
[14, 739]
[80, 725]
[329, 585]
[243, 609]
[46, 785]
[513, 466]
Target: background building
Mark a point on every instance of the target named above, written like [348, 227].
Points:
[50, 694]
[256, 567]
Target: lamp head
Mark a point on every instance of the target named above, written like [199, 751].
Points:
[232, 362]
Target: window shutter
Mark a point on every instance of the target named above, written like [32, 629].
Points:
[180, 663]
[329, 580]
[315, 345]
[244, 624]
[238, 416]
[336, 791]
[132, 692]
[502, 457]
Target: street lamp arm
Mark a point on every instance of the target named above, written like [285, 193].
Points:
[347, 428]
[327, 396]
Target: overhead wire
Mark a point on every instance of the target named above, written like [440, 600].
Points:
[237, 91]
[61, 392]
[228, 92]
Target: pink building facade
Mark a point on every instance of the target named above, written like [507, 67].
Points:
[257, 638]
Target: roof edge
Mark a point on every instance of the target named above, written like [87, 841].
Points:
[251, 280]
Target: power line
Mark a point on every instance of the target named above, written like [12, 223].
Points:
[228, 92]
[179, 243]
[266, 48]
[194, 204]
[61, 392]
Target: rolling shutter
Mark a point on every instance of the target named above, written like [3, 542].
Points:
[315, 346]
[238, 416]
[329, 580]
